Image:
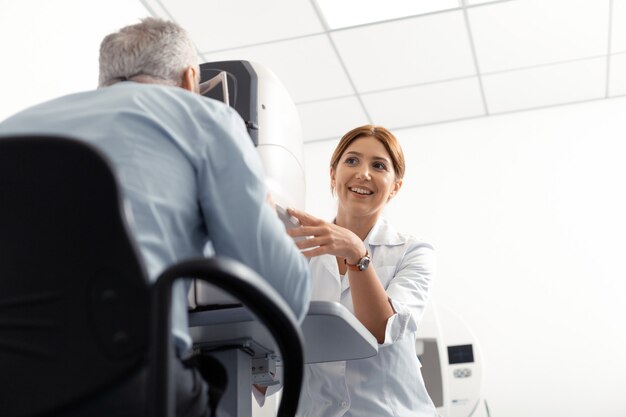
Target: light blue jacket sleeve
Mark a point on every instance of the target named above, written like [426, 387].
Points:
[241, 224]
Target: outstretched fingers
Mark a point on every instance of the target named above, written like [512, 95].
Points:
[305, 218]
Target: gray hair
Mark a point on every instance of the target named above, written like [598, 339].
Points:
[154, 51]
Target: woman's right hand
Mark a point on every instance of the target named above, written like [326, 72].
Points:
[325, 238]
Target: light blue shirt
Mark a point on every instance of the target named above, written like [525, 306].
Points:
[191, 178]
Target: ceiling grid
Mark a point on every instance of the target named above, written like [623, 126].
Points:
[441, 61]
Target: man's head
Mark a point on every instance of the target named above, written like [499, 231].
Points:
[153, 51]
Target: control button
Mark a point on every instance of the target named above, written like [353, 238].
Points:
[462, 373]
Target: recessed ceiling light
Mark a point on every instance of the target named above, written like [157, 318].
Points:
[345, 13]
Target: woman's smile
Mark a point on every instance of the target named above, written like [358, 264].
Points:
[361, 191]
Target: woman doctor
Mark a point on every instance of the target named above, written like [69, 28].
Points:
[382, 276]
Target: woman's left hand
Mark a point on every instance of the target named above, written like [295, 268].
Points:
[325, 238]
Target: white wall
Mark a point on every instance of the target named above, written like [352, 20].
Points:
[527, 213]
[50, 48]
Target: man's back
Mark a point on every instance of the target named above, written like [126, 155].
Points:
[190, 176]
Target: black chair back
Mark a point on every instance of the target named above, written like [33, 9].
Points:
[74, 300]
[77, 313]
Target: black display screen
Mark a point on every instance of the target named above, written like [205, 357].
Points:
[460, 354]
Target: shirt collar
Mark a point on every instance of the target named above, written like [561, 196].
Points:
[384, 233]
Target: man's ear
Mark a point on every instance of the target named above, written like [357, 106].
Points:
[190, 81]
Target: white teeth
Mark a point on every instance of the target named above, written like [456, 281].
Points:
[361, 191]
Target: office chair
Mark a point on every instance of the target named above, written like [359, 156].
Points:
[78, 314]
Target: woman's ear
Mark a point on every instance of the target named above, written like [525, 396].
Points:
[332, 179]
[394, 190]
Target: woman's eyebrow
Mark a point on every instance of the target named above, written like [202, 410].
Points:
[359, 154]
[380, 158]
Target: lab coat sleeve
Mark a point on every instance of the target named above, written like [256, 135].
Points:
[408, 290]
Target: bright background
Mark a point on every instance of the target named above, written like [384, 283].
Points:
[511, 117]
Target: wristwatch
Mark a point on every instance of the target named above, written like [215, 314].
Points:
[362, 265]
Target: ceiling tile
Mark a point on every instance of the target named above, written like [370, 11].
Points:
[545, 86]
[406, 52]
[474, 2]
[223, 24]
[308, 67]
[517, 34]
[344, 13]
[425, 104]
[330, 118]
[618, 28]
[617, 84]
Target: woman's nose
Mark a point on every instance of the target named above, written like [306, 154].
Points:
[363, 173]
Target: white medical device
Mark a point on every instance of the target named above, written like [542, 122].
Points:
[452, 366]
[271, 118]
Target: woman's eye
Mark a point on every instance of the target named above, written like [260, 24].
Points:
[380, 165]
[351, 161]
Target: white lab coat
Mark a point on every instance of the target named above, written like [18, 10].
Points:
[390, 383]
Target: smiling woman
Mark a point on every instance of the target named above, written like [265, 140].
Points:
[380, 275]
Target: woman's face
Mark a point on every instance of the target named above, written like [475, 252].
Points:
[364, 179]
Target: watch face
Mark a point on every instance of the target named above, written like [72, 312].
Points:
[363, 263]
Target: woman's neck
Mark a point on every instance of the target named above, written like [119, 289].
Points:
[360, 226]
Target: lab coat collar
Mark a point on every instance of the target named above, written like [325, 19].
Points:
[384, 233]
[381, 234]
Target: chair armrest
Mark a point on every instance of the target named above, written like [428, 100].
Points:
[256, 294]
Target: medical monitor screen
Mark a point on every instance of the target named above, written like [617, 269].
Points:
[460, 354]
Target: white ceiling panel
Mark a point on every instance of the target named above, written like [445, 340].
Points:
[617, 83]
[546, 86]
[408, 71]
[308, 67]
[524, 33]
[223, 24]
[425, 104]
[416, 62]
[330, 118]
[344, 13]
[406, 52]
[475, 2]
[618, 27]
